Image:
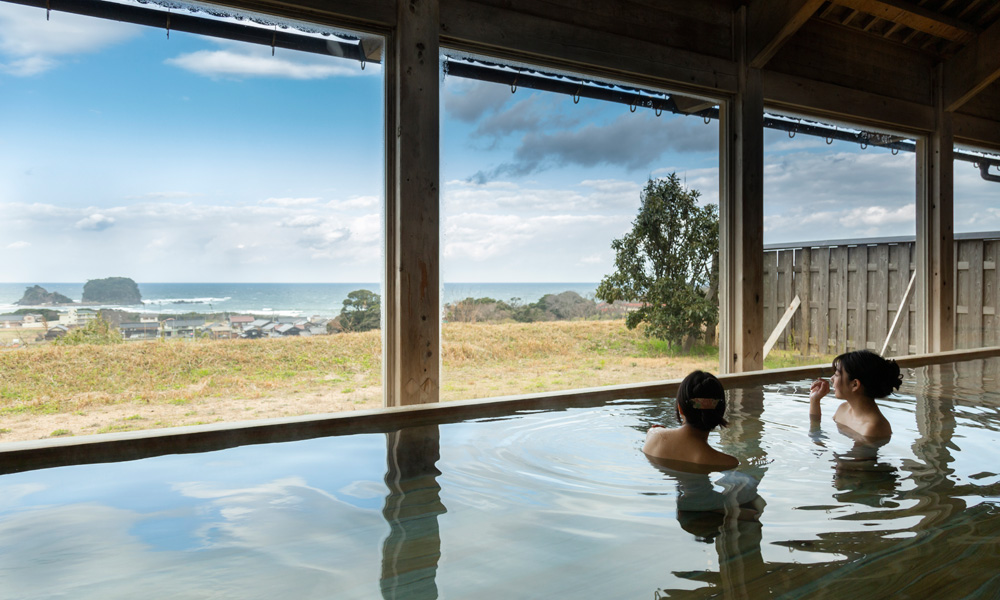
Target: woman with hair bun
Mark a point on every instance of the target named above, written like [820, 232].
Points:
[859, 377]
[701, 407]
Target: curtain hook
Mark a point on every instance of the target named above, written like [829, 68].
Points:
[895, 151]
[576, 96]
[707, 119]
[864, 145]
[659, 111]
[791, 134]
[829, 141]
[513, 86]
[631, 105]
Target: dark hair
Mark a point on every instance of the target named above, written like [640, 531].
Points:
[878, 375]
[701, 385]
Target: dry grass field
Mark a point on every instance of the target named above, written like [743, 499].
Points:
[51, 391]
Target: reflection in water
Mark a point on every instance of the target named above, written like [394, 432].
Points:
[858, 475]
[726, 511]
[412, 549]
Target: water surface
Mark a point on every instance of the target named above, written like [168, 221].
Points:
[542, 504]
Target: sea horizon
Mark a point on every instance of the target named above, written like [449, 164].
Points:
[280, 299]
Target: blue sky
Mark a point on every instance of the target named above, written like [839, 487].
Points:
[125, 153]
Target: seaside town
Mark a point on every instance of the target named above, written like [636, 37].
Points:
[35, 327]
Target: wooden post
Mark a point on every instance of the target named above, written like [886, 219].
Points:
[413, 330]
[935, 233]
[741, 214]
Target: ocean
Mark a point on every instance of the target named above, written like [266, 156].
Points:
[282, 299]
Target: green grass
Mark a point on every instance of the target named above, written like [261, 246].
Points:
[478, 360]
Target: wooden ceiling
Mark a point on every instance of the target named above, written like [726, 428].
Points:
[940, 27]
[892, 65]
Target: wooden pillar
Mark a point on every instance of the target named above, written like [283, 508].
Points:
[935, 234]
[412, 370]
[741, 218]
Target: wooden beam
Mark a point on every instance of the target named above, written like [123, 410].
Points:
[807, 96]
[782, 323]
[474, 27]
[972, 69]
[376, 16]
[900, 311]
[413, 369]
[915, 17]
[772, 22]
[977, 131]
[688, 105]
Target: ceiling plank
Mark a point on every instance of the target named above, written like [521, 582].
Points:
[915, 17]
[972, 69]
[772, 23]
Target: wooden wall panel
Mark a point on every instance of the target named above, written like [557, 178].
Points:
[991, 295]
[854, 292]
[877, 303]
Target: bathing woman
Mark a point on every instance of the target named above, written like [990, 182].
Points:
[701, 407]
[859, 377]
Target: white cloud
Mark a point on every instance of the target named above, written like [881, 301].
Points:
[289, 202]
[18, 245]
[358, 202]
[245, 61]
[30, 44]
[308, 242]
[26, 67]
[303, 221]
[95, 222]
[873, 216]
[601, 196]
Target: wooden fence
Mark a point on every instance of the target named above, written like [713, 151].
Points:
[851, 290]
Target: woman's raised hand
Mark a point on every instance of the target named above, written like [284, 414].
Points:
[818, 389]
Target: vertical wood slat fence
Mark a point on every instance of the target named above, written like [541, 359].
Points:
[850, 291]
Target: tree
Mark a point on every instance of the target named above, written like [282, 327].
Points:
[362, 311]
[96, 331]
[668, 262]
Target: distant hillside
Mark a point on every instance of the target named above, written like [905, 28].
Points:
[36, 295]
[112, 290]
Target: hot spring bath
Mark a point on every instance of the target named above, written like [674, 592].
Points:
[536, 504]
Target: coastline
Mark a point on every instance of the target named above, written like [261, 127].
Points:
[277, 299]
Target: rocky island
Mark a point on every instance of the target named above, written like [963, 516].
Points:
[111, 290]
[36, 295]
